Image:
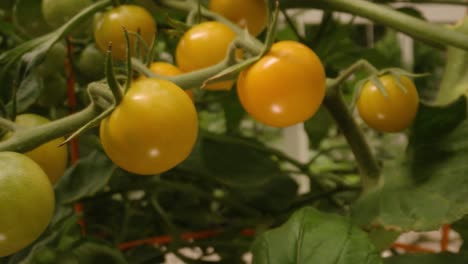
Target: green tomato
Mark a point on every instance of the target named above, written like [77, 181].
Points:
[54, 61]
[58, 12]
[91, 63]
[27, 202]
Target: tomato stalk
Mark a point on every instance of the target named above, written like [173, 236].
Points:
[7, 124]
[25, 140]
[249, 42]
[445, 2]
[335, 104]
[385, 15]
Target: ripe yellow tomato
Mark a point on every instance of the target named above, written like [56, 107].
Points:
[392, 113]
[27, 202]
[166, 69]
[52, 158]
[246, 13]
[152, 130]
[285, 87]
[109, 28]
[204, 45]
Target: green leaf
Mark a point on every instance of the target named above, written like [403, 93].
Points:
[441, 258]
[89, 176]
[311, 236]
[318, 126]
[233, 112]
[428, 186]
[234, 163]
[97, 253]
[28, 92]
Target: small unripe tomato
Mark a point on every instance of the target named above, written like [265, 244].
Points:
[251, 14]
[391, 113]
[152, 130]
[91, 63]
[285, 87]
[109, 29]
[58, 12]
[204, 45]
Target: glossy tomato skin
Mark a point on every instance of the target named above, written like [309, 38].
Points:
[27, 202]
[152, 130]
[246, 13]
[109, 28]
[52, 158]
[388, 114]
[166, 69]
[285, 87]
[204, 45]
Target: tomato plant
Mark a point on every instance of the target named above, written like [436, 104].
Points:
[392, 112]
[250, 14]
[233, 172]
[202, 46]
[152, 130]
[285, 87]
[109, 28]
[28, 202]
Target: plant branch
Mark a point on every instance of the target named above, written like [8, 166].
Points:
[385, 15]
[30, 138]
[7, 124]
[367, 163]
[445, 2]
[25, 140]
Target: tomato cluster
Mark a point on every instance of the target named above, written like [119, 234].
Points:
[155, 125]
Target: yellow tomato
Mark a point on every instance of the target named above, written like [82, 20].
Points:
[204, 45]
[109, 28]
[152, 130]
[285, 87]
[392, 113]
[246, 13]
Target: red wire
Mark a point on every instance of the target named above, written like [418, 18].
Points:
[162, 240]
[413, 248]
[445, 237]
[74, 149]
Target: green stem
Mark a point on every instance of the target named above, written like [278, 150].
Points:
[360, 64]
[186, 80]
[25, 140]
[252, 44]
[7, 124]
[236, 140]
[445, 2]
[385, 15]
[367, 163]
